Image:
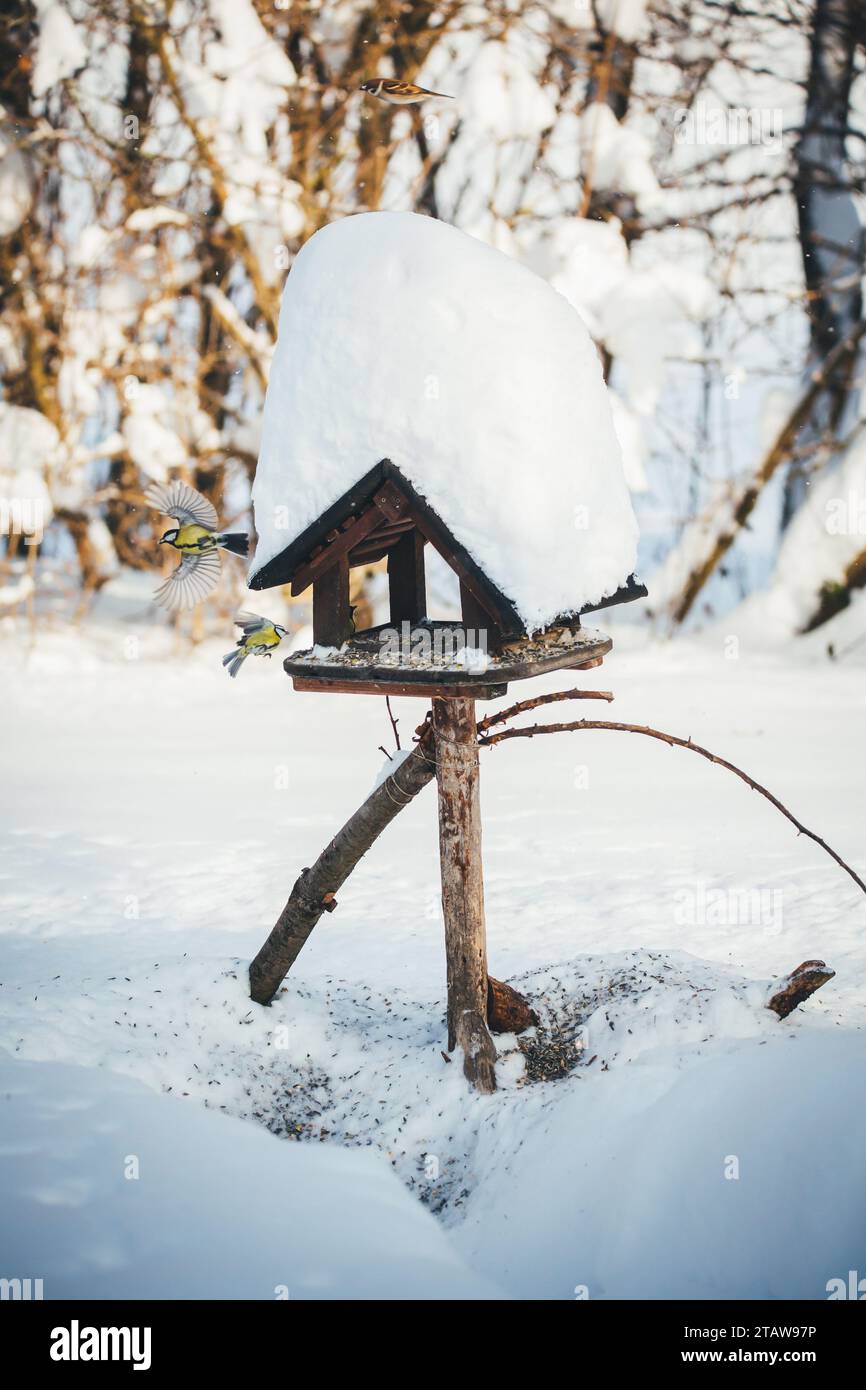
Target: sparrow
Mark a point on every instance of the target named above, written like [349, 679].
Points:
[198, 540]
[399, 93]
[261, 638]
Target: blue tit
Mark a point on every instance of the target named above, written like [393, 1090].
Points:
[197, 538]
[260, 637]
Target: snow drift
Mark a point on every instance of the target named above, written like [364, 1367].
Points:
[112, 1191]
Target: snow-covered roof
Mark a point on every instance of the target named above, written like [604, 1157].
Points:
[404, 338]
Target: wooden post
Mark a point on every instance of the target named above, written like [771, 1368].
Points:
[331, 613]
[406, 583]
[476, 617]
[463, 887]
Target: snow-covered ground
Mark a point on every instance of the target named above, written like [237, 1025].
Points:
[156, 816]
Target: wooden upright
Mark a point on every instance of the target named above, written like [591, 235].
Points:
[463, 887]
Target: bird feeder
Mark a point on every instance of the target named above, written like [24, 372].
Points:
[508, 531]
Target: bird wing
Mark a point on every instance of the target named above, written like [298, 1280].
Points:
[250, 622]
[182, 502]
[409, 89]
[195, 577]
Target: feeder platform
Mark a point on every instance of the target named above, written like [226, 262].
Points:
[424, 662]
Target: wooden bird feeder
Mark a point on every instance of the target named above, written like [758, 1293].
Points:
[452, 663]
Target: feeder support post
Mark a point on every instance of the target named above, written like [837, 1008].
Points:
[457, 777]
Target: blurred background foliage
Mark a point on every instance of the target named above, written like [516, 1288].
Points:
[689, 173]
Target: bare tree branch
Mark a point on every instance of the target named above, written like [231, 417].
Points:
[487, 740]
[720, 541]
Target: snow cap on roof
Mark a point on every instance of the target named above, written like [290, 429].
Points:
[403, 338]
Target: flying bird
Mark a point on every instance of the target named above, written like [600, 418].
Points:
[197, 538]
[399, 93]
[260, 637]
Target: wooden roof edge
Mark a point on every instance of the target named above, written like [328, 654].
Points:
[283, 567]
[627, 593]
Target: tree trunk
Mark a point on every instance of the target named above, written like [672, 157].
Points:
[832, 237]
[463, 888]
[734, 513]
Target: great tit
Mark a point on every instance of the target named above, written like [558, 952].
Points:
[198, 540]
[261, 637]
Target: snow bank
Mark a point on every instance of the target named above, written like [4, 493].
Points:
[403, 338]
[127, 954]
[113, 1191]
[741, 1179]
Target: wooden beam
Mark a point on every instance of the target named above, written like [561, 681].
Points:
[370, 554]
[463, 888]
[478, 617]
[323, 685]
[328, 556]
[392, 502]
[389, 506]
[406, 583]
[331, 612]
[379, 542]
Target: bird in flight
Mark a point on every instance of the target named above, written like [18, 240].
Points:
[399, 93]
[260, 637]
[198, 540]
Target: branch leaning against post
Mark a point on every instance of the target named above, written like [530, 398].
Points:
[314, 889]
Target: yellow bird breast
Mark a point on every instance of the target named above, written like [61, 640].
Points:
[264, 639]
[192, 537]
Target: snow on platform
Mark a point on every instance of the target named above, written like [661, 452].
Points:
[404, 338]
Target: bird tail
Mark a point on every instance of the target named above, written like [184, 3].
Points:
[238, 542]
[234, 660]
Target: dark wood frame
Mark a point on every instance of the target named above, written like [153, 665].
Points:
[383, 514]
